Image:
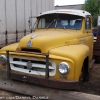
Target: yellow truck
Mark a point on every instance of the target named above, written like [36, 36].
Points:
[57, 54]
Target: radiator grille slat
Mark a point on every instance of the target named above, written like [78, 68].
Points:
[19, 64]
[33, 64]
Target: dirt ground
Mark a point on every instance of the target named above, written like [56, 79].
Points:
[91, 87]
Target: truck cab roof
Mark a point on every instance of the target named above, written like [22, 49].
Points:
[81, 13]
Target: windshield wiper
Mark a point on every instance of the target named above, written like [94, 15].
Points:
[51, 23]
[55, 24]
[60, 23]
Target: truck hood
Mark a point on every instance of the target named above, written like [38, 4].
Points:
[44, 40]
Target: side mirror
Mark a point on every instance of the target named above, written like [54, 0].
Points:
[32, 22]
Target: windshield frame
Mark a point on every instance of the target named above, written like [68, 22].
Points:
[55, 20]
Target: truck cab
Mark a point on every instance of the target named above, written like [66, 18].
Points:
[57, 54]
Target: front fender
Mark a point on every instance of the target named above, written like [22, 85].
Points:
[10, 47]
[77, 53]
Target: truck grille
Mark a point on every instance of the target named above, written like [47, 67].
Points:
[18, 63]
[31, 50]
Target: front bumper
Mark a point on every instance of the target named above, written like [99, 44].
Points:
[53, 83]
[40, 80]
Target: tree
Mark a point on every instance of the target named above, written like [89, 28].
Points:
[93, 7]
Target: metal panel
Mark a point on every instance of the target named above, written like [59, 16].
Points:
[47, 5]
[34, 13]
[27, 13]
[11, 15]
[39, 6]
[2, 16]
[15, 14]
[2, 22]
[43, 5]
[33, 2]
[20, 15]
[51, 4]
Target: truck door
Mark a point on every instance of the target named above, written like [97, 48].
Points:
[89, 34]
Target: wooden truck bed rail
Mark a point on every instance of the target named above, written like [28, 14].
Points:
[96, 48]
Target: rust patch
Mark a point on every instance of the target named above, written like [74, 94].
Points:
[53, 83]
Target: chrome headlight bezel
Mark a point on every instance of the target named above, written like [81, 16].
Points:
[3, 59]
[63, 68]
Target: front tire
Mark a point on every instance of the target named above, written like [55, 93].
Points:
[84, 77]
[80, 82]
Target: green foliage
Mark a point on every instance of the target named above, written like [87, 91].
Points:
[94, 22]
[92, 6]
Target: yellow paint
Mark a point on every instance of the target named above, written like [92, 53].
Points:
[71, 46]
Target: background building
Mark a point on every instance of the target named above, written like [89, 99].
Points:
[14, 15]
[78, 7]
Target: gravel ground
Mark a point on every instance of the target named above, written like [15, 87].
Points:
[91, 87]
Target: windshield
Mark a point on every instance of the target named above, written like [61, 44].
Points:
[64, 21]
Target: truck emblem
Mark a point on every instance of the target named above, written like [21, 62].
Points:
[33, 36]
[29, 44]
[29, 65]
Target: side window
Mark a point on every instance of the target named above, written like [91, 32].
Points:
[88, 23]
[41, 23]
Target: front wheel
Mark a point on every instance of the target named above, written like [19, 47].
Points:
[80, 82]
[84, 77]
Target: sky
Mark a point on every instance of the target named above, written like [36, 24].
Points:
[68, 2]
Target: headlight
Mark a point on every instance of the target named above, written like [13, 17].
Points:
[3, 59]
[63, 68]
